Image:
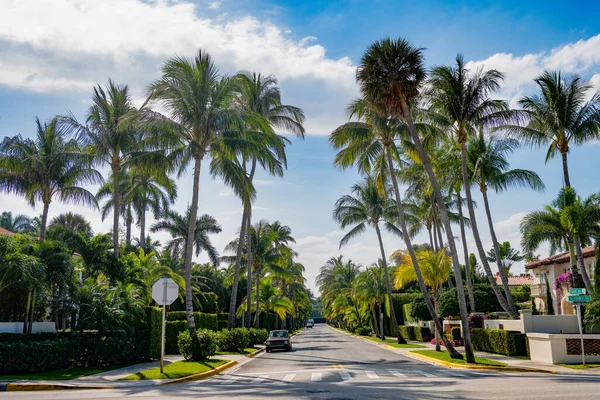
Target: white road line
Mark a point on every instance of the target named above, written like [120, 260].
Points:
[345, 375]
[230, 381]
[288, 378]
[371, 375]
[397, 374]
[316, 377]
[260, 379]
[425, 374]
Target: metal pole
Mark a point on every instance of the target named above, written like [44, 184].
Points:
[162, 342]
[578, 306]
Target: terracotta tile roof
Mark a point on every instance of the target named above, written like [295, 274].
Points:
[588, 251]
[6, 232]
[517, 280]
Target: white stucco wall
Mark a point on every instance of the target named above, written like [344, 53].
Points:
[552, 349]
[17, 327]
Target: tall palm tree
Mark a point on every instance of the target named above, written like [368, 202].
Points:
[74, 222]
[176, 225]
[200, 112]
[372, 287]
[111, 142]
[488, 161]
[368, 207]
[436, 267]
[105, 193]
[391, 74]
[567, 224]
[558, 117]
[462, 98]
[50, 167]
[260, 94]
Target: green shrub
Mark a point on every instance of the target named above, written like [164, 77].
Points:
[419, 310]
[509, 343]
[222, 325]
[206, 321]
[172, 331]
[154, 321]
[257, 336]
[456, 333]
[400, 299]
[362, 331]
[521, 294]
[234, 340]
[484, 295]
[184, 343]
[419, 333]
[204, 345]
[406, 312]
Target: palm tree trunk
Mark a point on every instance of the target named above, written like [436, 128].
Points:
[565, 169]
[462, 303]
[128, 222]
[381, 330]
[189, 244]
[439, 233]
[388, 287]
[430, 238]
[411, 252]
[27, 310]
[116, 211]
[465, 252]
[509, 298]
[256, 319]
[143, 229]
[44, 221]
[31, 311]
[581, 265]
[482, 256]
[249, 264]
[375, 325]
[436, 247]
[436, 300]
[236, 273]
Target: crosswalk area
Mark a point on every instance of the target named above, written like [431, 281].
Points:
[342, 375]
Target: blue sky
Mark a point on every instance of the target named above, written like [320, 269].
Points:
[52, 53]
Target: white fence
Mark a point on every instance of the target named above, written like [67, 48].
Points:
[536, 323]
[17, 327]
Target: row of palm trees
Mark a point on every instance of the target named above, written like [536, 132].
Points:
[440, 132]
[228, 121]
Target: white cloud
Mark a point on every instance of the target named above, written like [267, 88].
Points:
[582, 58]
[215, 5]
[225, 193]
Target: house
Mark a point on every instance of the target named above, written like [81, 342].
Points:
[547, 270]
[6, 232]
[515, 281]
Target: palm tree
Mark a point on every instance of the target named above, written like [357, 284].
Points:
[461, 97]
[199, 104]
[260, 95]
[568, 223]
[508, 256]
[176, 225]
[390, 75]
[20, 223]
[105, 192]
[488, 161]
[372, 287]
[48, 168]
[436, 267]
[368, 207]
[112, 142]
[75, 223]
[557, 117]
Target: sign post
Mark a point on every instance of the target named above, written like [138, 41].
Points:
[578, 297]
[164, 291]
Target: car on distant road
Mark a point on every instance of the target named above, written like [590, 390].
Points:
[279, 340]
[310, 323]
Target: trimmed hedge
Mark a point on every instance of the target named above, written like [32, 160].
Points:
[406, 312]
[202, 320]
[456, 335]
[72, 349]
[172, 331]
[154, 331]
[235, 340]
[509, 343]
[418, 333]
[400, 299]
[257, 336]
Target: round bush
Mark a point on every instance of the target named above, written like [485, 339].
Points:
[362, 331]
[234, 340]
[418, 310]
[257, 336]
[184, 344]
[204, 345]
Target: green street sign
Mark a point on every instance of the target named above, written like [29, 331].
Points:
[576, 291]
[580, 299]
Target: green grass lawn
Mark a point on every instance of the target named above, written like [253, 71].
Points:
[394, 343]
[71, 373]
[579, 366]
[444, 356]
[178, 369]
[246, 351]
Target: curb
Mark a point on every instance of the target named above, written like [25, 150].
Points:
[33, 387]
[254, 353]
[478, 367]
[201, 375]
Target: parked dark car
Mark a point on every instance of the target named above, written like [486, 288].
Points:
[279, 340]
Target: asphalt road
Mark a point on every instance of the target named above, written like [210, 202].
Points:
[327, 364]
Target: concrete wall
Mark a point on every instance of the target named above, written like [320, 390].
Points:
[17, 327]
[552, 349]
[529, 323]
[504, 324]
